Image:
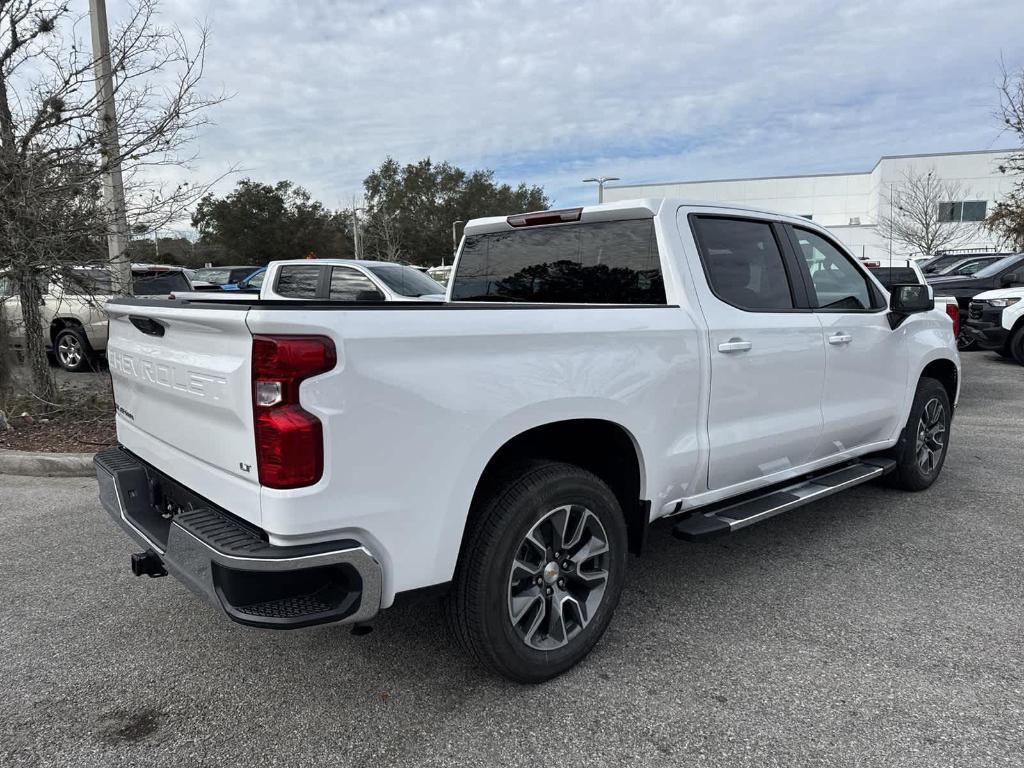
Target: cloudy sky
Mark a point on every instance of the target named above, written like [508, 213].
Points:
[549, 92]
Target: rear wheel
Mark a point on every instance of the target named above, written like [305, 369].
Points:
[921, 450]
[72, 351]
[541, 572]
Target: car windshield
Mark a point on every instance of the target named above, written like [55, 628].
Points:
[213, 275]
[996, 267]
[406, 281]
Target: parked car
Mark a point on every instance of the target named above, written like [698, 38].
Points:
[348, 280]
[966, 266]
[905, 271]
[251, 283]
[935, 264]
[72, 310]
[1007, 272]
[441, 274]
[212, 278]
[996, 321]
[593, 369]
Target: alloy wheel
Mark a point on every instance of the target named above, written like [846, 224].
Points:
[69, 350]
[931, 435]
[558, 577]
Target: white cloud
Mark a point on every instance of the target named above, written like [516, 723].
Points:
[548, 92]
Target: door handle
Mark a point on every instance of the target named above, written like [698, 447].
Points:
[840, 338]
[734, 345]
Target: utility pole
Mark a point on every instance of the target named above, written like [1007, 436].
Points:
[113, 183]
[600, 185]
[355, 229]
[455, 238]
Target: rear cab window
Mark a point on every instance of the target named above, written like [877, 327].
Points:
[606, 262]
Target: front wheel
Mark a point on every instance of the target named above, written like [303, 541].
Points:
[921, 450]
[1015, 345]
[541, 572]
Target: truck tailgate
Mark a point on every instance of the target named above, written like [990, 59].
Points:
[182, 385]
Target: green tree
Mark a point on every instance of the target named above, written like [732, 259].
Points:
[1007, 218]
[256, 223]
[410, 209]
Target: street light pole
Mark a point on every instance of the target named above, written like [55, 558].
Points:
[600, 184]
[113, 182]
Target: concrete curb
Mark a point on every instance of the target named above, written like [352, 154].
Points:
[38, 464]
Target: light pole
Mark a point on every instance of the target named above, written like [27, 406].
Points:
[113, 183]
[600, 180]
[455, 238]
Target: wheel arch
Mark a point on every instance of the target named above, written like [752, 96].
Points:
[603, 447]
[59, 323]
[947, 373]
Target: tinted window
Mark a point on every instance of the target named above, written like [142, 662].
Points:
[610, 262]
[838, 284]
[997, 267]
[351, 285]
[743, 263]
[89, 282]
[154, 283]
[299, 281]
[237, 275]
[890, 276]
[406, 281]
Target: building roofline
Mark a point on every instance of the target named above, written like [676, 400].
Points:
[811, 175]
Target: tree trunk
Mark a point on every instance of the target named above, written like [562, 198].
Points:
[43, 384]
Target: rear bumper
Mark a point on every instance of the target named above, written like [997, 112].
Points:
[230, 562]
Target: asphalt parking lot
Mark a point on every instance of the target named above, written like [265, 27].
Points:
[874, 628]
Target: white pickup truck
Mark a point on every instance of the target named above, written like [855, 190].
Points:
[591, 370]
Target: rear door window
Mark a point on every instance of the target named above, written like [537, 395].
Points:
[743, 263]
[299, 281]
[609, 262]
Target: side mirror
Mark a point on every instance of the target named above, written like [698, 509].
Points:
[911, 298]
[1009, 280]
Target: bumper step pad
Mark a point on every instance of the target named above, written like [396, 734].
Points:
[706, 524]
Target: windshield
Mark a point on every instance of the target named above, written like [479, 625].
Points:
[406, 281]
[215, 276]
[996, 267]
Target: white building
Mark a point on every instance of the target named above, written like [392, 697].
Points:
[849, 203]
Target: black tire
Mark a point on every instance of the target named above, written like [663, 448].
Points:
[72, 351]
[1015, 345]
[965, 343]
[921, 450]
[487, 584]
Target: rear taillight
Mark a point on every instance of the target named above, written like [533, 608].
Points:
[289, 440]
[954, 314]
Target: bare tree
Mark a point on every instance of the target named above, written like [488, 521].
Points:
[1007, 219]
[913, 214]
[384, 236]
[52, 153]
